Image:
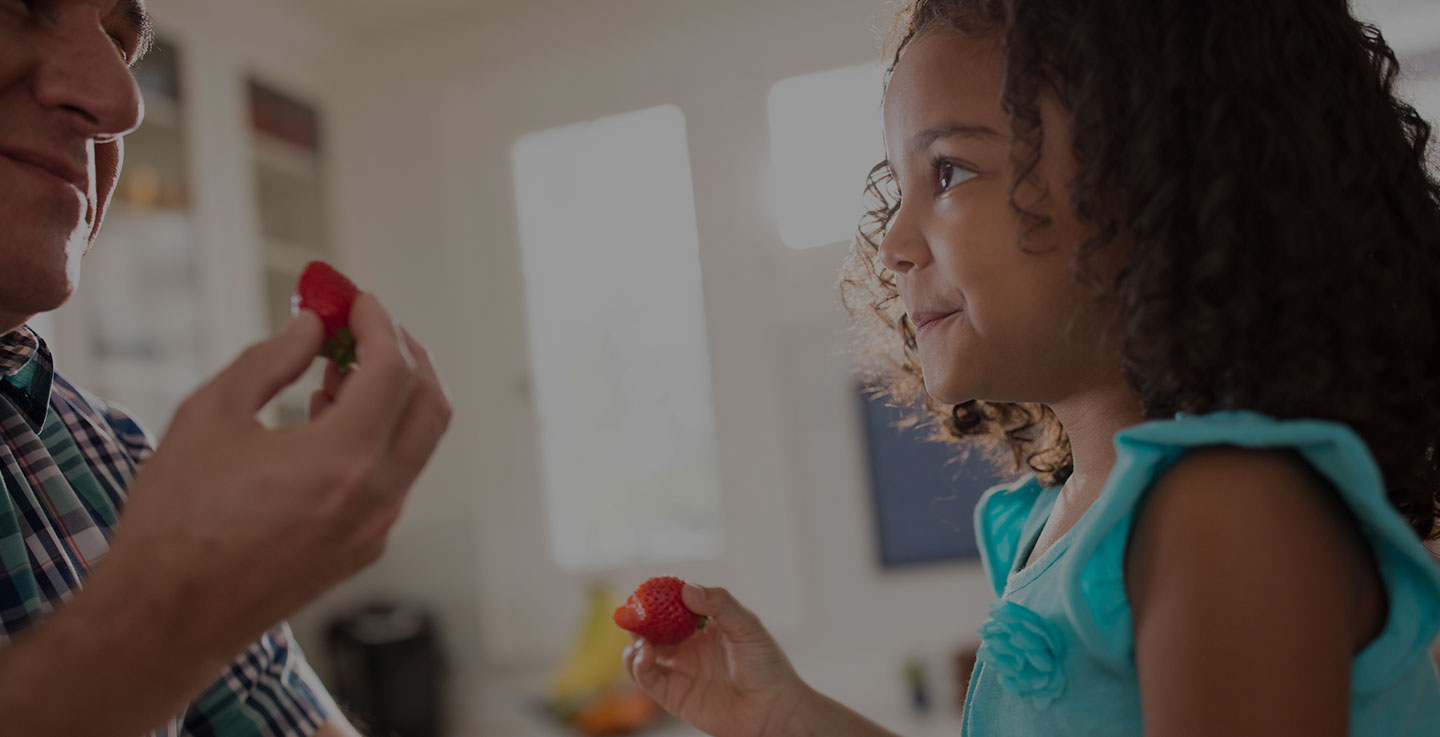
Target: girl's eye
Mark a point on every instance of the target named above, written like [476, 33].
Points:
[949, 174]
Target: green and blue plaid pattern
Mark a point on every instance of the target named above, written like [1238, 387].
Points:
[66, 460]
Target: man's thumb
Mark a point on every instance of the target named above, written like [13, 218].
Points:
[267, 367]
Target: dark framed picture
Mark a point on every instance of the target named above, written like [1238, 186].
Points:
[923, 493]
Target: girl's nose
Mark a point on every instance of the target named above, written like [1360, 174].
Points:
[903, 247]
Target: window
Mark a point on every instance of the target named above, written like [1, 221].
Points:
[825, 135]
[618, 350]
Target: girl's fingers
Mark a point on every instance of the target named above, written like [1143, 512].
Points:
[646, 673]
[628, 658]
[664, 656]
[726, 615]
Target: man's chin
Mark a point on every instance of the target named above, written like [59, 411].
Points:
[29, 289]
[55, 300]
[16, 309]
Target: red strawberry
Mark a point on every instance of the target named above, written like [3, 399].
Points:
[656, 613]
[327, 293]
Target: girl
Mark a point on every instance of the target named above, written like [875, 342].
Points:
[1179, 260]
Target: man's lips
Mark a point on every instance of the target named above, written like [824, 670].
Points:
[56, 166]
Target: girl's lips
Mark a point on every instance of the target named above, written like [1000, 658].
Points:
[926, 323]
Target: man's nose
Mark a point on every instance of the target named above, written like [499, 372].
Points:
[84, 74]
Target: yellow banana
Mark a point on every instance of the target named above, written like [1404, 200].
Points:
[594, 660]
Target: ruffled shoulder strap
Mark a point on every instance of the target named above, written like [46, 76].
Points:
[1004, 517]
[1093, 577]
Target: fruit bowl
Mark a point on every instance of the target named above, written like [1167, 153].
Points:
[614, 712]
[589, 692]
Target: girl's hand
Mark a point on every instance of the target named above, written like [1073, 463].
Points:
[729, 680]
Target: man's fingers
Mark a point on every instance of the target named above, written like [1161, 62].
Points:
[421, 425]
[424, 366]
[333, 378]
[253, 379]
[320, 400]
[369, 403]
[426, 418]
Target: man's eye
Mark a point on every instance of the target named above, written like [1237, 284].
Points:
[120, 46]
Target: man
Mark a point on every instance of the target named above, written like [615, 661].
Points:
[119, 624]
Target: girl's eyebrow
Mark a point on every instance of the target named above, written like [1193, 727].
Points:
[925, 138]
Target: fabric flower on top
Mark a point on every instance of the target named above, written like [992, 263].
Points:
[1025, 652]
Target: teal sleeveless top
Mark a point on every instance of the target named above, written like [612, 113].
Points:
[1057, 656]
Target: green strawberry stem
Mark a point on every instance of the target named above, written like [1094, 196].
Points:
[340, 348]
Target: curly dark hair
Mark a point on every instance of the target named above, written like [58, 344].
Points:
[1282, 225]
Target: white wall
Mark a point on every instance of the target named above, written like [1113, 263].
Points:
[421, 128]
[427, 216]
[220, 43]
[1421, 83]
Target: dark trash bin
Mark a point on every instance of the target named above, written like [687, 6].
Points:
[388, 670]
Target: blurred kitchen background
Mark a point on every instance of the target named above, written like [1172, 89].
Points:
[617, 225]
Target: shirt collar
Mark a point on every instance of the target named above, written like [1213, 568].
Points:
[26, 373]
[17, 348]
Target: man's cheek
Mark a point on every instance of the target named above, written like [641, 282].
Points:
[108, 159]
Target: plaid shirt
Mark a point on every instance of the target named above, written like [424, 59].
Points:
[66, 459]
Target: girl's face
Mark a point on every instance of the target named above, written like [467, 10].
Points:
[994, 320]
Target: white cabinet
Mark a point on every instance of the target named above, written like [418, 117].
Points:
[221, 202]
[134, 332]
[214, 217]
[289, 176]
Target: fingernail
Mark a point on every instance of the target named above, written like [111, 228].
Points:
[300, 317]
[694, 593]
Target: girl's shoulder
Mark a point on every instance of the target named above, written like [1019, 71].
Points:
[1093, 576]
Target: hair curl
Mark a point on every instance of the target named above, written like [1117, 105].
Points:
[1282, 225]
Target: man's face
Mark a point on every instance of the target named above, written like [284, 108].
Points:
[66, 98]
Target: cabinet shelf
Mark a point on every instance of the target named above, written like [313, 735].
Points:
[289, 258]
[283, 156]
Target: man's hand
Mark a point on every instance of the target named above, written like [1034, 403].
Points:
[251, 523]
[230, 527]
